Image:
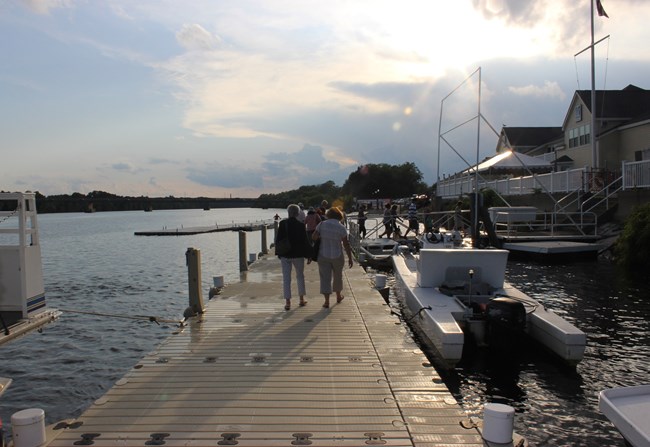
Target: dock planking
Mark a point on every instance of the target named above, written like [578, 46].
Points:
[249, 373]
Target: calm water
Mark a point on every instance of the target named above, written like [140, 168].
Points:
[93, 262]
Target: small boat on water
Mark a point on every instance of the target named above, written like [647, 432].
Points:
[628, 409]
[377, 252]
[455, 293]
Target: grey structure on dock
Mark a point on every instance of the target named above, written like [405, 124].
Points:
[246, 372]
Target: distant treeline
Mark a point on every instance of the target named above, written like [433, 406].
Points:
[103, 201]
[370, 181]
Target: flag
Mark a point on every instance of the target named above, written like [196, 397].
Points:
[601, 10]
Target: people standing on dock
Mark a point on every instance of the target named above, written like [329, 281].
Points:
[412, 217]
[334, 237]
[302, 215]
[387, 221]
[322, 209]
[361, 219]
[299, 248]
[394, 219]
[311, 221]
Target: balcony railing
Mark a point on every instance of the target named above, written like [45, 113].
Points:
[633, 175]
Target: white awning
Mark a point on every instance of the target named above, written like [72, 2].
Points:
[509, 160]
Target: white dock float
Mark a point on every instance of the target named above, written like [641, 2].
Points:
[554, 248]
[249, 373]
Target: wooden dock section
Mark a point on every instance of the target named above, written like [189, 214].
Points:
[249, 373]
[186, 231]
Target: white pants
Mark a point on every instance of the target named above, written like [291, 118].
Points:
[287, 264]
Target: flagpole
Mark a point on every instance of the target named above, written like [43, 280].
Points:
[594, 152]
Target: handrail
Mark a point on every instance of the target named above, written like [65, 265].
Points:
[548, 221]
[607, 195]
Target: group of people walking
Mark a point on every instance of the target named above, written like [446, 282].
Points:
[391, 217]
[319, 236]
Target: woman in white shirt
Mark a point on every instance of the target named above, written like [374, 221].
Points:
[333, 238]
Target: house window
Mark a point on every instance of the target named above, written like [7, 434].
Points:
[580, 136]
[578, 113]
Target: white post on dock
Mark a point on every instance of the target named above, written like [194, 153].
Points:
[498, 422]
[265, 248]
[243, 263]
[193, 261]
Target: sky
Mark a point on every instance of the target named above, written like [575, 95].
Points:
[236, 98]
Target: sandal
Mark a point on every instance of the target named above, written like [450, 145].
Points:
[302, 303]
[288, 305]
[338, 300]
[326, 305]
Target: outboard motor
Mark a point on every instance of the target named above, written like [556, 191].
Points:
[506, 322]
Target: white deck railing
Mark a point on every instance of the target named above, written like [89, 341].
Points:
[635, 174]
[563, 182]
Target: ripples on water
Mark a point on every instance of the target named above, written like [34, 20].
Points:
[93, 262]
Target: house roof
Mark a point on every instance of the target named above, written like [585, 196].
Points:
[531, 136]
[629, 103]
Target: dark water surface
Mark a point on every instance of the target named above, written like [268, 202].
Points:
[557, 405]
[93, 262]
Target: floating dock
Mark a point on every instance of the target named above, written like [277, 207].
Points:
[250, 226]
[248, 373]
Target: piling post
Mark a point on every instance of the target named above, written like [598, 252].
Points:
[193, 261]
[243, 262]
[276, 225]
[265, 249]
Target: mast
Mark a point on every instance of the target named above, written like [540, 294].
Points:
[478, 138]
[594, 151]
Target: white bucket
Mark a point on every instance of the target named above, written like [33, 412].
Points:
[252, 257]
[380, 281]
[218, 281]
[498, 422]
[28, 427]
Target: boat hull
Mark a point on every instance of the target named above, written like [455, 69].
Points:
[445, 321]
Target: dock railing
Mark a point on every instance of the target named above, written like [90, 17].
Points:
[553, 182]
[635, 174]
[547, 223]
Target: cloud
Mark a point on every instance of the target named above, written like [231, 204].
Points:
[520, 12]
[44, 6]
[195, 37]
[549, 89]
[277, 171]
[225, 176]
[125, 167]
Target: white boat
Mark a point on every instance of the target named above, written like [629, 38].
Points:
[453, 293]
[23, 306]
[628, 409]
[377, 252]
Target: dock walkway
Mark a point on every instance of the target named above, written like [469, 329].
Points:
[249, 373]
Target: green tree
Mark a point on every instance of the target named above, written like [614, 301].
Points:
[633, 245]
[384, 180]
